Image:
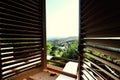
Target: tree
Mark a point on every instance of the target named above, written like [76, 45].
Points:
[48, 47]
[54, 48]
[71, 51]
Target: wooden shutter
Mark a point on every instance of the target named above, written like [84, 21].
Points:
[22, 35]
[100, 34]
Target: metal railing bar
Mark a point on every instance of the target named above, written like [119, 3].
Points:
[98, 74]
[103, 70]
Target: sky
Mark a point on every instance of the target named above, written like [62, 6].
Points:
[61, 18]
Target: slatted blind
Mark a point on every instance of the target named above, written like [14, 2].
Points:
[21, 35]
[100, 38]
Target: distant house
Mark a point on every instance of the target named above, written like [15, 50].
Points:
[62, 47]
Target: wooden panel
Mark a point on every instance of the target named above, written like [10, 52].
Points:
[101, 19]
[104, 42]
[100, 33]
[22, 31]
[109, 53]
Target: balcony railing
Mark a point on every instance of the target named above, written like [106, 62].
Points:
[64, 64]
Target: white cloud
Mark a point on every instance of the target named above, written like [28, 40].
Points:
[64, 22]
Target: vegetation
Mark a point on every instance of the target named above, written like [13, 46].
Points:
[63, 47]
[71, 51]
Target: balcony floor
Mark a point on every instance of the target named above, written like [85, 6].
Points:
[36, 74]
[44, 75]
